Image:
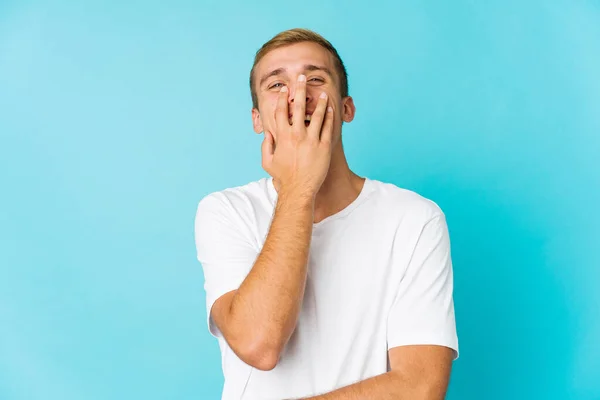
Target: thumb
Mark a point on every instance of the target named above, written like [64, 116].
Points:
[267, 149]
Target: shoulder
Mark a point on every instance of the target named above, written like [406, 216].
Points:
[240, 211]
[238, 199]
[403, 203]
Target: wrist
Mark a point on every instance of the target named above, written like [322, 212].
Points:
[296, 197]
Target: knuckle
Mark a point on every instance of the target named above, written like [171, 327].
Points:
[293, 134]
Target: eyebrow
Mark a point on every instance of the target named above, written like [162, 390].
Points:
[307, 67]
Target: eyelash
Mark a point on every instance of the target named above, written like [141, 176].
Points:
[273, 86]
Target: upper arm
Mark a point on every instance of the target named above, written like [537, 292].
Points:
[226, 256]
[421, 331]
[227, 251]
[423, 368]
[422, 312]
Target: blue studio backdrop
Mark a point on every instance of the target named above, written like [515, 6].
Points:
[116, 118]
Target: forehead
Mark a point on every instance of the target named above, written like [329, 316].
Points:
[294, 57]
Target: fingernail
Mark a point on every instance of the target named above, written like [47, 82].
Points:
[323, 95]
[329, 109]
[301, 78]
[284, 89]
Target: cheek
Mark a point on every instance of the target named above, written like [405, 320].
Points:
[269, 109]
[267, 115]
[270, 113]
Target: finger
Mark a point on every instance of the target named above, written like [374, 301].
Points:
[281, 111]
[300, 104]
[327, 131]
[316, 120]
[267, 150]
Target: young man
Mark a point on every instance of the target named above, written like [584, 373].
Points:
[322, 284]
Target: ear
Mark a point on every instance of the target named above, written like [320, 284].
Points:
[348, 109]
[256, 121]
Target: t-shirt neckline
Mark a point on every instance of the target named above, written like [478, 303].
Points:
[364, 193]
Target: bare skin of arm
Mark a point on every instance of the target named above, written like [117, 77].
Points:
[258, 319]
[419, 372]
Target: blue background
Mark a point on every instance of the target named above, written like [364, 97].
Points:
[115, 119]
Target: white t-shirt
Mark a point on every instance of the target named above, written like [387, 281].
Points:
[379, 276]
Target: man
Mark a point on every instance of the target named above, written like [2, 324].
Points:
[322, 284]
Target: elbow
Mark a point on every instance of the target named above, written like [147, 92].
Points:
[265, 363]
[261, 356]
[260, 349]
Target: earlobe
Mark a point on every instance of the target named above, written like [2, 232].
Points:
[256, 121]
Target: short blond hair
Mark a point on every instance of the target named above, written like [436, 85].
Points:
[293, 36]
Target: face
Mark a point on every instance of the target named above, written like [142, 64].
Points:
[281, 67]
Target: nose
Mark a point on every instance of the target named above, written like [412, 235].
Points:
[292, 95]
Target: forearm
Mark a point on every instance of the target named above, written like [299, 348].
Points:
[388, 386]
[268, 301]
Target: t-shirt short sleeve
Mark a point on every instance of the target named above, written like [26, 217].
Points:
[225, 253]
[423, 309]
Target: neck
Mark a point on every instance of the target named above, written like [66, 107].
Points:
[340, 188]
